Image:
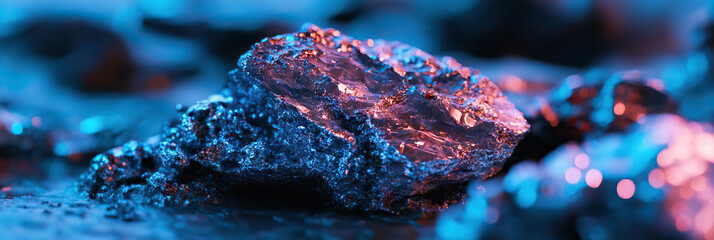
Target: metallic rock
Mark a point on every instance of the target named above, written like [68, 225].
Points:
[370, 126]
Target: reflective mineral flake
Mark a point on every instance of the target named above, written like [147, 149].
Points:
[369, 125]
[428, 108]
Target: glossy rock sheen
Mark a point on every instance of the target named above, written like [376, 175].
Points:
[364, 125]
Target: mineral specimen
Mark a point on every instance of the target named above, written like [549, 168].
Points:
[317, 116]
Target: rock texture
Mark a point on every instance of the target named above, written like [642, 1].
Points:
[320, 118]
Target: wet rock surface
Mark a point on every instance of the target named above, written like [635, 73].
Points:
[317, 117]
[63, 216]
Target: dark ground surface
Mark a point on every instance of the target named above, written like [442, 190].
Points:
[64, 215]
[49, 207]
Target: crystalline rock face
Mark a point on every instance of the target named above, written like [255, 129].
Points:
[371, 125]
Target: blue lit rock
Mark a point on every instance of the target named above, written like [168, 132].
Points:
[352, 125]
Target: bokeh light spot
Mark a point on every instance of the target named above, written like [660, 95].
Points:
[91, 125]
[699, 183]
[683, 223]
[36, 122]
[664, 158]
[572, 175]
[593, 178]
[625, 188]
[704, 146]
[619, 108]
[16, 128]
[61, 149]
[582, 160]
[656, 178]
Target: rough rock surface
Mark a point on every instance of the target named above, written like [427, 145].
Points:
[316, 117]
